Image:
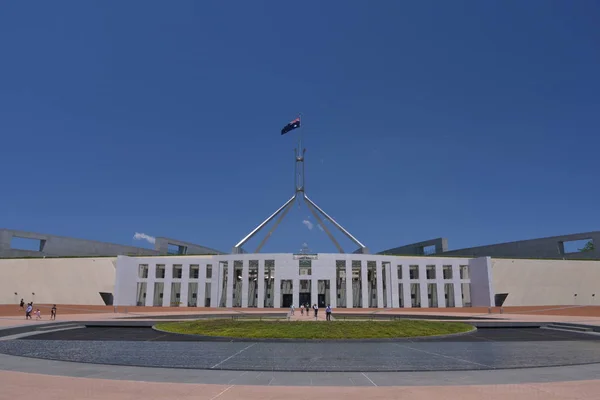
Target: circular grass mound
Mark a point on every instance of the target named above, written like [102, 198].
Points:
[315, 330]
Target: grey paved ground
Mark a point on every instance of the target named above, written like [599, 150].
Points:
[510, 376]
[476, 352]
[148, 334]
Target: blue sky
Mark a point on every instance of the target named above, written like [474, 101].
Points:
[473, 120]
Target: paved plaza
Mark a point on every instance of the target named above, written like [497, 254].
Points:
[52, 378]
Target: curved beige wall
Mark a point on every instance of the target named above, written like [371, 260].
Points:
[547, 282]
[57, 280]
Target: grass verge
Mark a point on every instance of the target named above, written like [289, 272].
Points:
[315, 330]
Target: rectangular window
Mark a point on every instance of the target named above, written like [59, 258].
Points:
[466, 294]
[237, 283]
[464, 272]
[357, 284]
[401, 295]
[160, 271]
[399, 271]
[207, 287]
[194, 271]
[141, 294]
[175, 294]
[414, 272]
[305, 267]
[177, 271]
[449, 294]
[253, 283]
[430, 271]
[415, 295]
[432, 295]
[223, 267]
[340, 278]
[208, 271]
[143, 271]
[447, 271]
[158, 294]
[192, 299]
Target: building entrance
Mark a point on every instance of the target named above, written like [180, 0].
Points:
[304, 298]
[322, 301]
[286, 300]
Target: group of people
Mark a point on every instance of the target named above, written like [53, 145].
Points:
[38, 313]
[315, 308]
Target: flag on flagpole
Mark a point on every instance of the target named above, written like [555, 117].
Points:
[291, 126]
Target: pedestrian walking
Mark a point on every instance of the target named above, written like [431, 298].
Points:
[301, 309]
[292, 309]
[53, 312]
[328, 312]
[28, 311]
[316, 308]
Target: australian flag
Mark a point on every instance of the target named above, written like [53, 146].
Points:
[291, 126]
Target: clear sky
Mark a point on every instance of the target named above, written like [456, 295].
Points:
[478, 121]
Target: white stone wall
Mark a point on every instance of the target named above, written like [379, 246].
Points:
[74, 281]
[287, 268]
[547, 282]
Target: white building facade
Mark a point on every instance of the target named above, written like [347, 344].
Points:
[280, 280]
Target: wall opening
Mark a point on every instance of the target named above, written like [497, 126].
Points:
[175, 249]
[429, 250]
[19, 243]
[578, 246]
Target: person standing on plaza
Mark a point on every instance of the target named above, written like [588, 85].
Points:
[307, 308]
[301, 309]
[328, 313]
[28, 311]
[316, 308]
[292, 309]
[53, 312]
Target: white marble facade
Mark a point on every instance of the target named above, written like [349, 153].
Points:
[377, 281]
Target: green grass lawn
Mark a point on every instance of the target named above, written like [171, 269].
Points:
[315, 330]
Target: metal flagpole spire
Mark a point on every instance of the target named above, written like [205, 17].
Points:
[299, 190]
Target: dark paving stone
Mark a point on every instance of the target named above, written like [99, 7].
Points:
[485, 349]
[148, 334]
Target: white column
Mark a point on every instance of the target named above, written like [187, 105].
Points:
[185, 280]
[277, 290]
[166, 300]
[201, 293]
[388, 283]
[349, 299]
[379, 269]
[365, 284]
[314, 291]
[458, 302]
[439, 278]
[150, 285]
[230, 278]
[216, 285]
[395, 303]
[423, 285]
[296, 292]
[333, 291]
[245, 283]
[261, 284]
[406, 286]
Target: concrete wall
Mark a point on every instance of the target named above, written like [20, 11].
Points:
[162, 246]
[59, 246]
[550, 247]
[547, 282]
[56, 280]
[416, 249]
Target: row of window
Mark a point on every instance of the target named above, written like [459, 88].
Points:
[177, 271]
[430, 272]
[194, 273]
